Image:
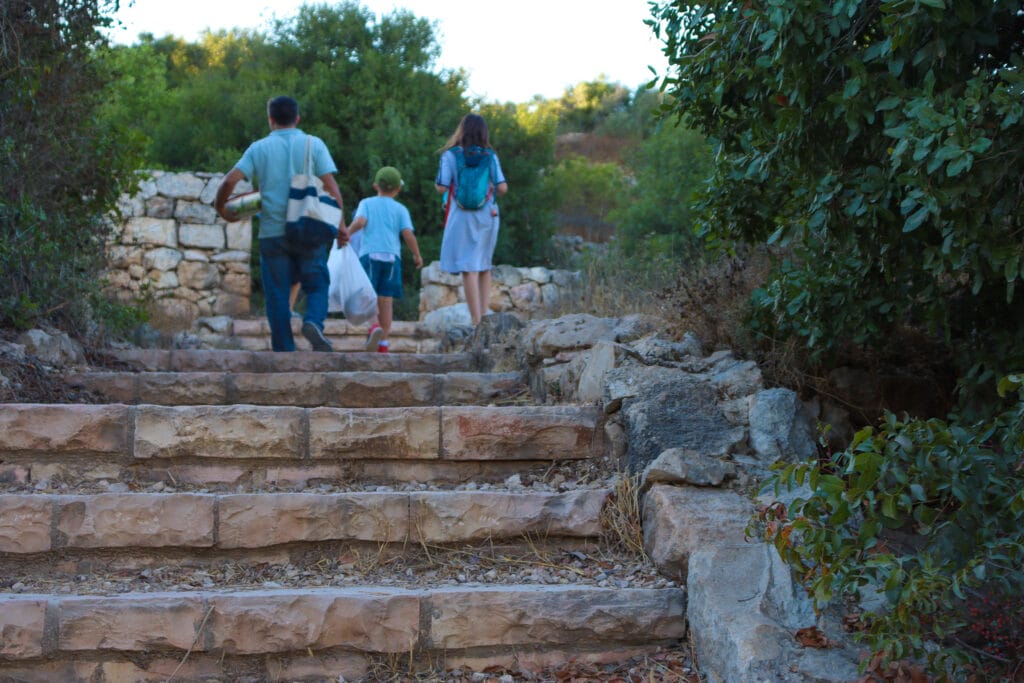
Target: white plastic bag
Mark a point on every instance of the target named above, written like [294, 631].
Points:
[350, 292]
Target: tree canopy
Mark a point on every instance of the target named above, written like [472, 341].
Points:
[880, 142]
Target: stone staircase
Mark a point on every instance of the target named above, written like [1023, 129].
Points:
[250, 516]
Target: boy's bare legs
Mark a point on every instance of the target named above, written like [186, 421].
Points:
[293, 295]
[385, 311]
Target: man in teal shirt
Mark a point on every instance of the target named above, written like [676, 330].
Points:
[270, 163]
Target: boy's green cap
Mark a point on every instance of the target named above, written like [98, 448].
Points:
[388, 178]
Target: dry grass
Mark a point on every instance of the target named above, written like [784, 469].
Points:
[621, 518]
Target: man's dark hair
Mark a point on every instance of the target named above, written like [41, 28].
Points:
[283, 110]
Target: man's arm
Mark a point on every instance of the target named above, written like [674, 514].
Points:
[331, 186]
[227, 186]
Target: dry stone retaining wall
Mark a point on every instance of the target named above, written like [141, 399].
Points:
[173, 250]
[524, 292]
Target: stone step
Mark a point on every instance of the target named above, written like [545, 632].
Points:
[330, 389]
[36, 523]
[322, 633]
[252, 334]
[255, 446]
[205, 360]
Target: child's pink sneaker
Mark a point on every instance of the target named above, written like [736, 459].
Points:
[374, 336]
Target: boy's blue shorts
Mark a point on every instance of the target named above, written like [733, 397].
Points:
[386, 278]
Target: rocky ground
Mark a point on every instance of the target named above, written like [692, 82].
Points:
[25, 378]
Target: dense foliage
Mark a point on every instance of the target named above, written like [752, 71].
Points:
[931, 514]
[367, 86]
[881, 143]
[60, 173]
[878, 147]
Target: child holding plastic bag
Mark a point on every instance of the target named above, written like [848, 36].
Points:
[383, 220]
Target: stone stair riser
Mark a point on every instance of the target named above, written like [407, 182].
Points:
[301, 434]
[36, 523]
[200, 360]
[259, 475]
[362, 620]
[311, 389]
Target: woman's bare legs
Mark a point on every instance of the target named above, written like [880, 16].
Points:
[471, 285]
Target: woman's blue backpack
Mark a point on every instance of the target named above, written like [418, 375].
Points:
[473, 173]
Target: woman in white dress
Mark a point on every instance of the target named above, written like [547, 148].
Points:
[470, 231]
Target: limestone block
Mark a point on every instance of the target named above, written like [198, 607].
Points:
[147, 183]
[384, 433]
[188, 294]
[602, 358]
[527, 615]
[236, 267]
[172, 388]
[118, 280]
[231, 256]
[525, 296]
[546, 338]
[160, 207]
[130, 623]
[509, 276]
[552, 296]
[780, 427]
[195, 212]
[681, 466]
[518, 433]
[537, 274]
[198, 275]
[434, 297]
[284, 388]
[230, 432]
[679, 521]
[201, 236]
[121, 256]
[180, 186]
[25, 522]
[734, 378]
[747, 635]
[220, 324]
[257, 622]
[157, 231]
[375, 389]
[264, 519]
[567, 279]
[459, 516]
[129, 206]
[162, 258]
[126, 520]
[136, 271]
[239, 235]
[230, 304]
[500, 300]
[22, 627]
[209, 192]
[432, 273]
[163, 279]
[55, 347]
[67, 429]
[237, 283]
[440, 319]
[196, 255]
[472, 387]
[175, 312]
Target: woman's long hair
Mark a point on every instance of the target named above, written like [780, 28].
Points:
[471, 131]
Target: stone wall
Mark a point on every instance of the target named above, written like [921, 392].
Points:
[524, 292]
[174, 252]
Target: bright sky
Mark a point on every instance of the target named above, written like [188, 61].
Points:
[512, 50]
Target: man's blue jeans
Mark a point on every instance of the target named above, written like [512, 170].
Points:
[280, 263]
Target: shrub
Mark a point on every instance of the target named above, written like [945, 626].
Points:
[60, 174]
[930, 513]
